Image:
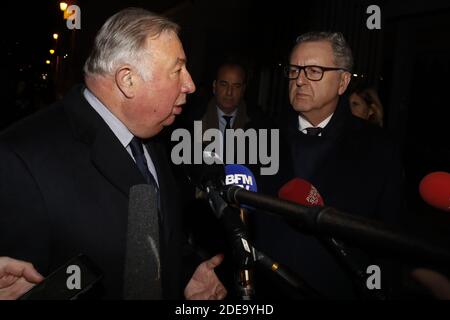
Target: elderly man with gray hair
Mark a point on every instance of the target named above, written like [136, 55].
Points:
[353, 165]
[67, 172]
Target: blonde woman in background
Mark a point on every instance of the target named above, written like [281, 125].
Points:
[366, 104]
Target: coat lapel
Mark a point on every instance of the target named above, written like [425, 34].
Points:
[241, 117]
[210, 119]
[114, 162]
[107, 153]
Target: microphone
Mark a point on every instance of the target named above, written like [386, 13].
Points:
[203, 175]
[142, 272]
[435, 190]
[328, 221]
[303, 192]
[209, 180]
[240, 176]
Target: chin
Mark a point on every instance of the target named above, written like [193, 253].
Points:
[150, 134]
[169, 121]
[228, 109]
[301, 108]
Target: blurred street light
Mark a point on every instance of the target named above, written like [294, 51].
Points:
[55, 36]
[63, 6]
[52, 51]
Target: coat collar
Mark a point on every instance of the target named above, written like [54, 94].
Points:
[333, 129]
[107, 153]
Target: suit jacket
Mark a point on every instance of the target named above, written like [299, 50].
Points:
[356, 169]
[64, 187]
[210, 119]
[245, 119]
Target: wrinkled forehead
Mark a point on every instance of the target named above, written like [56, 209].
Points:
[313, 53]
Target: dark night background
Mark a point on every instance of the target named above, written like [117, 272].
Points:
[407, 60]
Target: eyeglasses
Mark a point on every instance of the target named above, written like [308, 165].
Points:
[313, 73]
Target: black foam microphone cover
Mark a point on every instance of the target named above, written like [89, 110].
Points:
[142, 272]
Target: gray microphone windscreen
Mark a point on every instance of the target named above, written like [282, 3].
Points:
[142, 272]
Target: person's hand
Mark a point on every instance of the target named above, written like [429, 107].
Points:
[16, 278]
[437, 283]
[204, 284]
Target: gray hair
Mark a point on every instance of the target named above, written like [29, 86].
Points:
[341, 50]
[122, 40]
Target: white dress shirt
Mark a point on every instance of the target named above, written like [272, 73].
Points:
[118, 128]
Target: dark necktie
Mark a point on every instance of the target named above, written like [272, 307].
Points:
[227, 126]
[313, 131]
[228, 120]
[137, 149]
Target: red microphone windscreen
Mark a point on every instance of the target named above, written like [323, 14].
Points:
[302, 192]
[435, 190]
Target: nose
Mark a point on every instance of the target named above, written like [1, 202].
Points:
[301, 78]
[229, 90]
[188, 84]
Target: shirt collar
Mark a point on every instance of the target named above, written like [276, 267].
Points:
[118, 128]
[303, 123]
[220, 113]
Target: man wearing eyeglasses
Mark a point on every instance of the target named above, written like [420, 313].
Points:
[353, 165]
[318, 75]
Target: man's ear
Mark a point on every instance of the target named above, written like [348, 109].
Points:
[214, 87]
[126, 80]
[345, 80]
